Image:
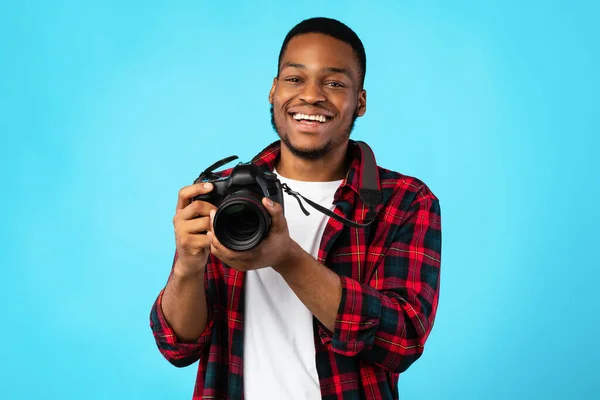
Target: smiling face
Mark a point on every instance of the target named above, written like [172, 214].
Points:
[317, 95]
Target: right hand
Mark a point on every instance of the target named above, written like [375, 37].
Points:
[191, 222]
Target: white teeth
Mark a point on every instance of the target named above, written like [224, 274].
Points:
[319, 118]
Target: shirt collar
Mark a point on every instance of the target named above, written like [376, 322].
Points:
[268, 157]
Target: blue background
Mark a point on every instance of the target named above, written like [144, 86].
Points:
[108, 108]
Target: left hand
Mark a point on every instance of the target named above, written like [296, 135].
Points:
[276, 250]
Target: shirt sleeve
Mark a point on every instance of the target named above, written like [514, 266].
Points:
[178, 353]
[388, 320]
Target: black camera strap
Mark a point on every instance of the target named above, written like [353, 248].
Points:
[208, 172]
[322, 209]
[369, 193]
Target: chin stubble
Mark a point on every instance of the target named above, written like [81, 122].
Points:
[312, 154]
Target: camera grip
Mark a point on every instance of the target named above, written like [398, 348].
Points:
[207, 197]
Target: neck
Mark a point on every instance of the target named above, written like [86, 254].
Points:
[331, 167]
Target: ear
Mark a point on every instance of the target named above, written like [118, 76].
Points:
[361, 107]
[272, 91]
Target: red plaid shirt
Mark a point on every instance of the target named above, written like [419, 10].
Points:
[390, 273]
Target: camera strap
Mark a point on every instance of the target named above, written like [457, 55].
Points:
[208, 172]
[369, 193]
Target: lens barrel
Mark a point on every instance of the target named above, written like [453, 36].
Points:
[241, 221]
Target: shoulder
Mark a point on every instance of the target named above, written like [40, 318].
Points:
[408, 204]
[402, 191]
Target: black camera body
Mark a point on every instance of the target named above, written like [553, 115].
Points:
[241, 221]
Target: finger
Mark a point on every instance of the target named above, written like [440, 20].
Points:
[196, 225]
[186, 193]
[193, 244]
[275, 210]
[214, 251]
[218, 249]
[212, 218]
[213, 240]
[225, 253]
[214, 244]
[195, 209]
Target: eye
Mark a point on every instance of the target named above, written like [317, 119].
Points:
[292, 79]
[334, 84]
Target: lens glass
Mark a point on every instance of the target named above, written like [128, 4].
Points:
[240, 221]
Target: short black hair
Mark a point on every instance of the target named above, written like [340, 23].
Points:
[334, 28]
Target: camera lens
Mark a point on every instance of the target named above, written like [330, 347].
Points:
[241, 221]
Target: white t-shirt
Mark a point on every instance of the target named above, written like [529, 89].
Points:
[279, 348]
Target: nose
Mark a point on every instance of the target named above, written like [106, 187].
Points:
[312, 93]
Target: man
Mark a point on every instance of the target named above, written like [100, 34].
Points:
[318, 309]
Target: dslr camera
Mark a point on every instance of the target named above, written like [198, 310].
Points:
[241, 221]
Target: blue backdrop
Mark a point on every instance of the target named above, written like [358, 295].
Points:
[107, 109]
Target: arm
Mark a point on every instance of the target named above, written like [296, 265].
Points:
[387, 321]
[184, 304]
[181, 320]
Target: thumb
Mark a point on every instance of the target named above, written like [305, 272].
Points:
[275, 210]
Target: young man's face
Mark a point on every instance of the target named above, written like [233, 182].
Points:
[317, 95]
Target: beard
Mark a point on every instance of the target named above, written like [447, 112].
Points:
[308, 154]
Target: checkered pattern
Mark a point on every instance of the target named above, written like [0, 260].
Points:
[390, 283]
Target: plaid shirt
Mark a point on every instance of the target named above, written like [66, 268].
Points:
[390, 273]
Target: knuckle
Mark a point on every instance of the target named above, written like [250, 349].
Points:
[184, 241]
[177, 222]
[196, 251]
[182, 192]
[179, 236]
[198, 206]
[205, 225]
